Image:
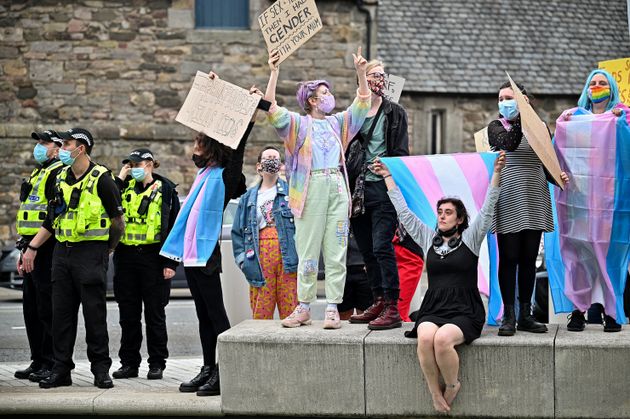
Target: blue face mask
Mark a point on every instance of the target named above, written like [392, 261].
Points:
[138, 173]
[508, 109]
[66, 157]
[40, 152]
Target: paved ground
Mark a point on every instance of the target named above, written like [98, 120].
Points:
[136, 396]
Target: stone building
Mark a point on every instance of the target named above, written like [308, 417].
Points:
[122, 68]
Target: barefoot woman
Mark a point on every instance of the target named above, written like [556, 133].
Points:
[451, 312]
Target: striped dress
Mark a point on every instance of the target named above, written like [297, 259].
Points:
[524, 202]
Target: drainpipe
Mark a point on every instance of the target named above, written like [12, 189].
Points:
[368, 23]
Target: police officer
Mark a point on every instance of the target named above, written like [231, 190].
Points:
[150, 204]
[37, 289]
[88, 224]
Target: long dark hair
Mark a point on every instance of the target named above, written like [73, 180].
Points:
[212, 150]
[460, 209]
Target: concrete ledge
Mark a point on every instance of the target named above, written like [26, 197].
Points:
[592, 373]
[269, 370]
[501, 377]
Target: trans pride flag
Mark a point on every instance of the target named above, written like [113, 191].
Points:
[423, 180]
[587, 255]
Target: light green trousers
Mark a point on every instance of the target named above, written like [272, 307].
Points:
[323, 227]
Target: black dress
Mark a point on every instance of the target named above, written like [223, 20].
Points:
[452, 296]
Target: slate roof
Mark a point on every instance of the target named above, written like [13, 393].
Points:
[464, 46]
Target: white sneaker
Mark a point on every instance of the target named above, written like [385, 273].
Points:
[331, 319]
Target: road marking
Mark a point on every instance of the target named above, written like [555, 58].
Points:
[18, 327]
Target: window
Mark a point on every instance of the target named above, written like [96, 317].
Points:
[436, 131]
[222, 14]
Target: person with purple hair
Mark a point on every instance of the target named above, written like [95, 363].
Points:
[318, 187]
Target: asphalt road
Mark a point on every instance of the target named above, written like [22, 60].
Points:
[181, 325]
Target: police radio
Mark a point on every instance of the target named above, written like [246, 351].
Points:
[146, 200]
[25, 190]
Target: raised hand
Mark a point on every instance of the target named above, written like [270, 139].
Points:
[255, 91]
[499, 163]
[212, 75]
[360, 63]
[274, 57]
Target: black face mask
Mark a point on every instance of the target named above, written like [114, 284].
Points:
[199, 161]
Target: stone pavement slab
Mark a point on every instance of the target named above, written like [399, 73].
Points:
[135, 396]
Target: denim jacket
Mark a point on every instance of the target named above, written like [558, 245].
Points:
[245, 234]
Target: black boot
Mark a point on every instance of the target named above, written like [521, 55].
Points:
[212, 387]
[508, 323]
[526, 321]
[199, 380]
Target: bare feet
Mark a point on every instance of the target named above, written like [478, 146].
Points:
[440, 404]
[451, 392]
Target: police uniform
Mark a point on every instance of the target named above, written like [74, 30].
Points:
[150, 212]
[35, 194]
[83, 212]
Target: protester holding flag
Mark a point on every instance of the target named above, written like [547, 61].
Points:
[318, 187]
[384, 133]
[452, 312]
[588, 258]
[522, 213]
[194, 240]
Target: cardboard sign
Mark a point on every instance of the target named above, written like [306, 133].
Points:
[537, 135]
[287, 24]
[219, 109]
[393, 87]
[620, 70]
[481, 140]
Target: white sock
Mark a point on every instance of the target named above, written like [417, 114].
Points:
[306, 306]
[331, 306]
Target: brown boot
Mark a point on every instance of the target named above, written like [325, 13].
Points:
[370, 313]
[388, 319]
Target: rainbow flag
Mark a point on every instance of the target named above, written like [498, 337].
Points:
[423, 180]
[588, 253]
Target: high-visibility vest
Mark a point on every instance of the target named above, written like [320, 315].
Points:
[34, 208]
[88, 220]
[142, 228]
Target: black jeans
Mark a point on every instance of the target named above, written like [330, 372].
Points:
[374, 231]
[518, 251]
[205, 287]
[37, 306]
[138, 279]
[79, 276]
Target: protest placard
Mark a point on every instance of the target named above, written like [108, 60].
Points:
[287, 24]
[393, 87]
[537, 134]
[620, 70]
[481, 140]
[218, 109]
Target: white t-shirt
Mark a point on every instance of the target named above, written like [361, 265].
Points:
[264, 206]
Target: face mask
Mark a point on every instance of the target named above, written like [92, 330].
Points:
[66, 157]
[271, 166]
[40, 153]
[327, 103]
[376, 86]
[199, 161]
[138, 173]
[508, 109]
[598, 94]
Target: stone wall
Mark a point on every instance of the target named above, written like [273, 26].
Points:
[122, 69]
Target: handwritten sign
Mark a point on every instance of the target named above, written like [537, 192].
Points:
[219, 109]
[393, 87]
[287, 24]
[620, 70]
[481, 140]
[537, 135]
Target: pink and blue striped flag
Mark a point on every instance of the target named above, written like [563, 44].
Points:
[423, 180]
[587, 255]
